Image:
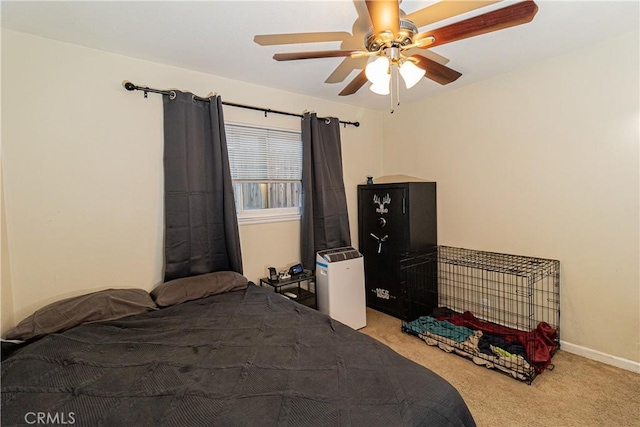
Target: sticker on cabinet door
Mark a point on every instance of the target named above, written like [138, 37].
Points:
[382, 293]
[386, 200]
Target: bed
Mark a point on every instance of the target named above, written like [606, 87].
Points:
[243, 357]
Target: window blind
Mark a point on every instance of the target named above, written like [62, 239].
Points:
[259, 154]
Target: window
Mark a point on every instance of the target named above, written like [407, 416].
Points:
[266, 170]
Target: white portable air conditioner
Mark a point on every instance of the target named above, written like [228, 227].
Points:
[340, 281]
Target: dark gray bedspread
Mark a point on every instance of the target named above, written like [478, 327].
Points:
[248, 358]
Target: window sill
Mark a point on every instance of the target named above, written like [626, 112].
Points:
[267, 219]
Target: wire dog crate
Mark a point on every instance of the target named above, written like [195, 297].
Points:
[501, 311]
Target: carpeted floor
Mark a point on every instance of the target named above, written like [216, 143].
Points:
[577, 392]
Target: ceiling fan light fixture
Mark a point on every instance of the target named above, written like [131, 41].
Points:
[377, 72]
[381, 88]
[411, 74]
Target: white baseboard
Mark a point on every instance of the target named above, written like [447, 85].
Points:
[599, 356]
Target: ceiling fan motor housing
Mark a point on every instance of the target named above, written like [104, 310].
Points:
[375, 42]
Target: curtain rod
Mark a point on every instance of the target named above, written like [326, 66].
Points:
[131, 87]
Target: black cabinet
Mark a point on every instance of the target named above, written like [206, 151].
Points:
[395, 221]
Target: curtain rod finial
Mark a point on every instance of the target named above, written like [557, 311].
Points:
[128, 85]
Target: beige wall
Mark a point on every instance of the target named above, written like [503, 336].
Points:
[6, 291]
[82, 164]
[543, 162]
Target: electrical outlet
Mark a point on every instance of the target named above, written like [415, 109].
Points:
[485, 303]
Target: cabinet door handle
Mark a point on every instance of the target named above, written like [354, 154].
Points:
[380, 241]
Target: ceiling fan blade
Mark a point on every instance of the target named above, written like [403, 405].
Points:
[445, 9]
[345, 68]
[385, 15]
[292, 38]
[510, 16]
[362, 24]
[292, 56]
[355, 85]
[437, 72]
[429, 54]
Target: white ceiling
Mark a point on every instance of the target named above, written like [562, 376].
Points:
[216, 37]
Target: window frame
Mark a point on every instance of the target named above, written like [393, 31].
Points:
[265, 215]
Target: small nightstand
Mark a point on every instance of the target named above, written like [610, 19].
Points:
[293, 284]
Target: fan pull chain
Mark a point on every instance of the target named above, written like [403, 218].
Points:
[398, 85]
[391, 110]
[395, 75]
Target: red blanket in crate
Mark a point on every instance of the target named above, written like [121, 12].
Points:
[538, 343]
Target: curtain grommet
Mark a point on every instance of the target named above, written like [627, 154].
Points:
[173, 95]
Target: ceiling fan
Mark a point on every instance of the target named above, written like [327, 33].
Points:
[393, 38]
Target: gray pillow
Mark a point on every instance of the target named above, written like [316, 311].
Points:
[194, 287]
[109, 304]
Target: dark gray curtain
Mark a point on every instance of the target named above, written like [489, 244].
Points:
[201, 227]
[325, 221]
